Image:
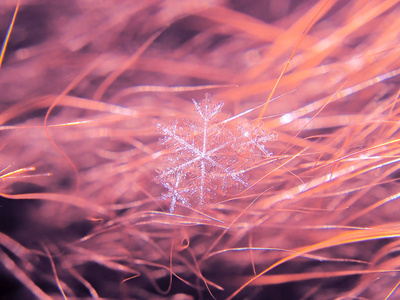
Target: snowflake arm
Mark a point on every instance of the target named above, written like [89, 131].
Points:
[175, 193]
[207, 109]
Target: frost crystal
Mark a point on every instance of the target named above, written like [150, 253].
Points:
[204, 157]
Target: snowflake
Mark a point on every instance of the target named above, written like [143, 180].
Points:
[205, 157]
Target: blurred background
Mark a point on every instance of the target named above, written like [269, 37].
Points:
[83, 85]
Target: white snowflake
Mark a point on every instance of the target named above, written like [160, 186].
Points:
[204, 157]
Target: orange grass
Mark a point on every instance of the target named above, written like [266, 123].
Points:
[82, 85]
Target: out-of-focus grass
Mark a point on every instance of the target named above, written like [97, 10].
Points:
[320, 221]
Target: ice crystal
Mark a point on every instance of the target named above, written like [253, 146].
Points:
[252, 138]
[205, 157]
